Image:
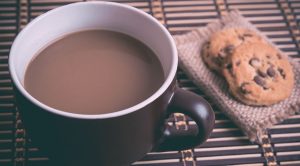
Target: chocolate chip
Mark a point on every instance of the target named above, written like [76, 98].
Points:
[241, 38]
[254, 62]
[271, 72]
[261, 73]
[229, 66]
[268, 56]
[222, 23]
[244, 89]
[238, 63]
[207, 45]
[259, 81]
[229, 49]
[282, 73]
[278, 56]
[217, 61]
[265, 88]
[248, 35]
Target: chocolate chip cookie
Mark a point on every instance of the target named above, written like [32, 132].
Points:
[222, 44]
[258, 74]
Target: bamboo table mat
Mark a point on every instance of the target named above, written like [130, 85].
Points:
[278, 19]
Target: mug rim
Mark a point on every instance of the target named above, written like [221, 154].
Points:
[149, 100]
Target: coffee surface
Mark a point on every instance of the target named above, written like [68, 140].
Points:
[94, 72]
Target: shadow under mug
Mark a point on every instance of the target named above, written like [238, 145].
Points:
[117, 138]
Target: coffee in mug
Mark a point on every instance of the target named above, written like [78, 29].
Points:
[94, 72]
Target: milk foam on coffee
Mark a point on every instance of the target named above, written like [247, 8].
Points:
[94, 72]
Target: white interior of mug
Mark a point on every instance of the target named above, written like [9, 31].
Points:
[92, 15]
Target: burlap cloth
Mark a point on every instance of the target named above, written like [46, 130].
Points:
[254, 121]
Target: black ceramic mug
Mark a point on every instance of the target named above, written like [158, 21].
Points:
[117, 138]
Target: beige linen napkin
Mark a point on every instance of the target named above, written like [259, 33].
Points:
[254, 121]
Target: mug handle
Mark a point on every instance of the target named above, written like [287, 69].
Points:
[199, 110]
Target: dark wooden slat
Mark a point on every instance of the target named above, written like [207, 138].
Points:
[287, 149]
[228, 124]
[6, 162]
[235, 133]
[227, 152]
[5, 114]
[6, 91]
[57, 4]
[6, 135]
[192, 18]
[6, 111]
[33, 152]
[286, 130]
[161, 164]
[289, 158]
[291, 121]
[6, 144]
[252, 8]
[285, 139]
[249, 3]
[4, 83]
[178, 0]
[191, 11]
[189, 5]
[159, 156]
[232, 161]
[225, 143]
[6, 125]
[5, 154]
[4, 74]
[37, 162]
